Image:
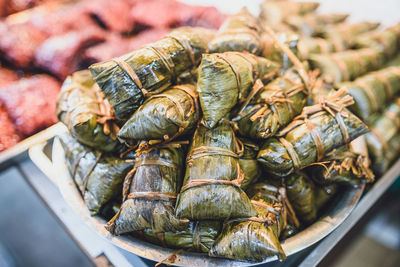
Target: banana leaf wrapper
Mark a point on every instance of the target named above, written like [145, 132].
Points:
[149, 193]
[301, 193]
[308, 46]
[164, 116]
[240, 32]
[225, 79]
[387, 40]
[394, 61]
[324, 194]
[314, 23]
[273, 107]
[347, 65]
[198, 236]
[211, 188]
[248, 163]
[344, 167]
[382, 163]
[348, 32]
[372, 91]
[273, 52]
[82, 108]
[255, 239]
[126, 81]
[275, 12]
[317, 131]
[383, 129]
[99, 176]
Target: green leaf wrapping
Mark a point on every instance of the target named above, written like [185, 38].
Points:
[129, 79]
[198, 236]
[347, 65]
[372, 91]
[301, 193]
[348, 165]
[98, 176]
[275, 12]
[225, 80]
[249, 164]
[348, 32]
[149, 193]
[308, 46]
[323, 194]
[298, 147]
[76, 106]
[273, 52]
[252, 240]
[385, 127]
[211, 187]
[164, 116]
[240, 32]
[387, 40]
[314, 23]
[273, 107]
[383, 162]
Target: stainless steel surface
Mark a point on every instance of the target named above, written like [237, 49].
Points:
[365, 204]
[304, 239]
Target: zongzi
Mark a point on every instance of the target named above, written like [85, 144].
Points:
[82, 108]
[273, 107]
[372, 91]
[164, 116]
[211, 188]
[307, 139]
[383, 128]
[275, 12]
[226, 79]
[301, 193]
[240, 32]
[347, 65]
[150, 191]
[126, 81]
[256, 238]
[99, 176]
[387, 40]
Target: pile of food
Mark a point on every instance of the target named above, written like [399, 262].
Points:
[41, 46]
[227, 142]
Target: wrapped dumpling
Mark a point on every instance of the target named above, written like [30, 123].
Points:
[150, 191]
[127, 80]
[211, 188]
[81, 106]
[164, 116]
[226, 79]
[99, 176]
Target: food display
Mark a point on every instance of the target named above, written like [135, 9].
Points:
[225, 141]
[55, 38]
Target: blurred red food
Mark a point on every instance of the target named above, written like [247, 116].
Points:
[114, 15]
[158, 13]
[116, 46]
[7, 76]
[18, 43]
[31, 102]
[146, 37]
[61, 54]
[8, 136]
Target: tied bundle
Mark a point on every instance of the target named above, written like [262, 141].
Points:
[81, 106]
[318, 130]
[126, 81]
